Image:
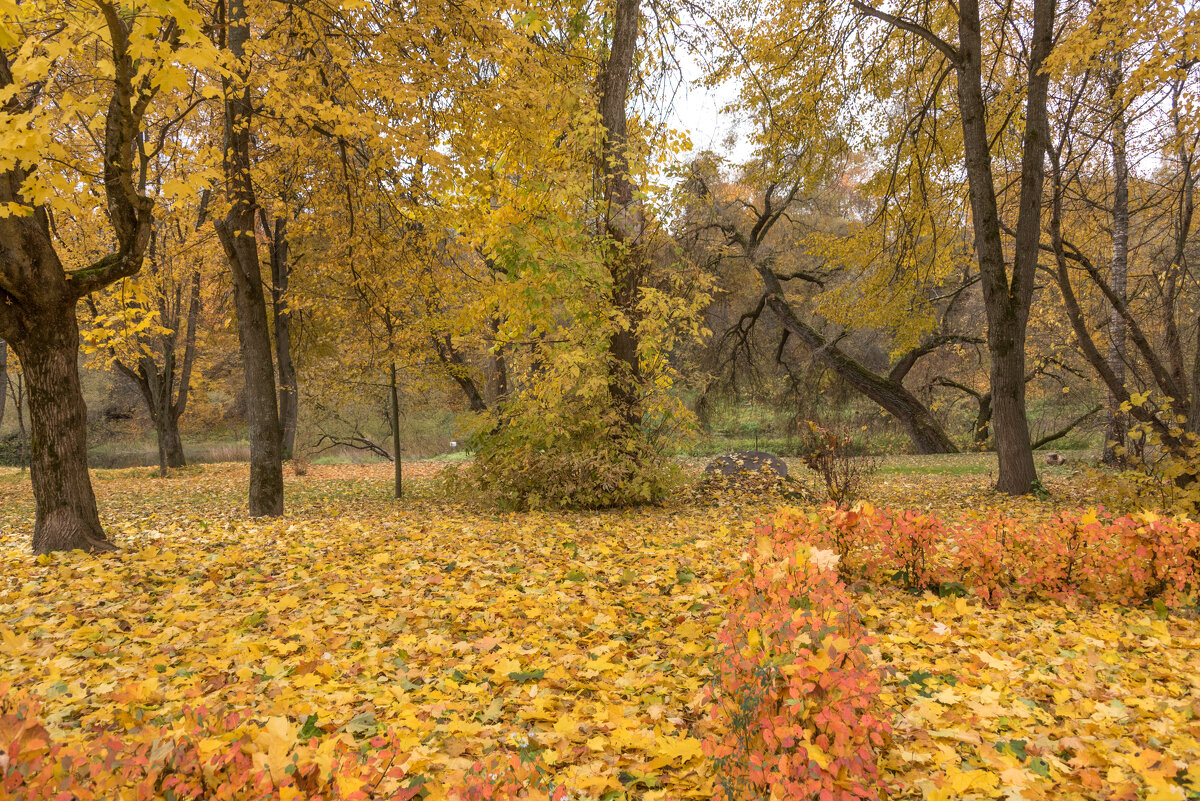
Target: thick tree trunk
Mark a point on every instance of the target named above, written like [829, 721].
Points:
[624, 221]
[236, 232]
[397, 457]
[1007, 301]
[1118, 424]
[170, 446]
[66, 507]
[1014, 449]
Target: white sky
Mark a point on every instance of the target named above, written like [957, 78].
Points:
[697, 110]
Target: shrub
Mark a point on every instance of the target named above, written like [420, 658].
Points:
[846, 532]
[1130, 559]
[830, 454]
[582, 460]
[794, 705]
[908, 541]
[233, 758]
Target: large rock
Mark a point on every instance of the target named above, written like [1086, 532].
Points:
[754, 462]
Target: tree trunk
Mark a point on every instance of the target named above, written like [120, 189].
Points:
[66, 507]
[236, 232]
[18, 395]
[170, 446]
[3, 379]
[983, 421]
[397, 457]
[1114, 438]
[624, 221]
[1014, 449]
[1006, 300]
[288, 396]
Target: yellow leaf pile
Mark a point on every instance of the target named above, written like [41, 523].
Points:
[589, 637]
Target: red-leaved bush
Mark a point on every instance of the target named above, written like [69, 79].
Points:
[231, 758]
[1130, 559]
[794, 707]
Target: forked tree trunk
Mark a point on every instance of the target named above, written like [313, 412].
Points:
[1007, 300]
[66, 507]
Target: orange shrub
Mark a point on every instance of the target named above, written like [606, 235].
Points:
[794, 706]
[1089, 554]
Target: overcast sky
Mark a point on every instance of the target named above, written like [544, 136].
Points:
[697, 110]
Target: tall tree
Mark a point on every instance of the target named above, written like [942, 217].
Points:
[237, 234]
[1007, 293]
[1114, 435]
[38, 294]
[625, 221]
[1156, 81]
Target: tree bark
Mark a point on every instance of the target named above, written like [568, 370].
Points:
[397, 459]
[66, 507]
[624, 219]
[3, 379]
[170, 446]
[236, 232]
[1007, 301]
[1118, 424]
[281, 271]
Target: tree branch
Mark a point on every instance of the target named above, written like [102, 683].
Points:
[1046, 440]
[912, 27]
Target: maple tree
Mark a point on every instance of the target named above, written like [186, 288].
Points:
[115, 126]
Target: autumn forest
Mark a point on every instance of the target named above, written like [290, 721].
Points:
[363, 365]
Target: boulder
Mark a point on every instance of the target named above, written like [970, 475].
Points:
[753, 462]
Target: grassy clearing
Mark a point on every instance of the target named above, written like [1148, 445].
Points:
[589, 635]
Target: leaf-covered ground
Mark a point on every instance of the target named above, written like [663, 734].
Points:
[588, 635]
